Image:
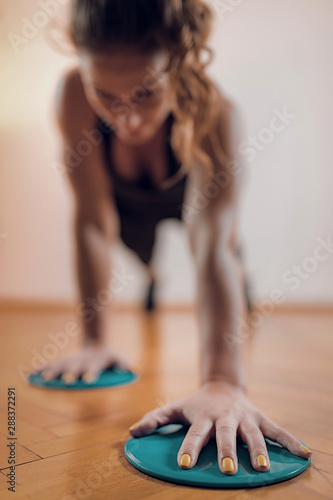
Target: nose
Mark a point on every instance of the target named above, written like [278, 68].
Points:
[132, 122]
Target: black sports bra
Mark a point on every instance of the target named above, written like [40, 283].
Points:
[144, 183]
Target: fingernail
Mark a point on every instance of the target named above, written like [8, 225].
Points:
[228, 465]
[134, 425]
[262, 461]
[47, 375]
[185, 460]
[89, 377]
[68, 377]
[306, 449]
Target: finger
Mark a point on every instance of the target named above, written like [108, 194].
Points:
[195, 439]
[209, 436]
[48, 374]
[69, 377]
[253, 437]
[226, 435]
[271, 430]
[72, 371]
[52, 371]
[157, 418]
[120, 363]
[90, 376]
[93, 372]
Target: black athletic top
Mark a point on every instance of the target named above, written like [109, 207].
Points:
[141, 205]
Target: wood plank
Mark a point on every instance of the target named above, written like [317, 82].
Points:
[290, 380]
[22, 454]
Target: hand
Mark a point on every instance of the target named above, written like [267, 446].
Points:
[220, 409]
[89, 362]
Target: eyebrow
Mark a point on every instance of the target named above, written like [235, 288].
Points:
[115, 97]
[105, 92]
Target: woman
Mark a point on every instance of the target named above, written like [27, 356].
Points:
[165, 145]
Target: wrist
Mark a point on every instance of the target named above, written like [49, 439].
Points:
[223, 366]
[96, 341]
[235, 377]
[221, 381]
[228, 370]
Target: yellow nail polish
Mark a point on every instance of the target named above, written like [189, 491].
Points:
[262, 461]
[306, 449]
[47, 375]
[68, 377]
[134, 425]
[228, 465]
[185, 460]
[89, 377]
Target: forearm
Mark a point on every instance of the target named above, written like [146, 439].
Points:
[93, 269]
[221, 309]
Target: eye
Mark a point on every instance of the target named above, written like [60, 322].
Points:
[149, 94]
[147, 98]
[142, 97]
[102, 94]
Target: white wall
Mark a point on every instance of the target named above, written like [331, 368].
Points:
[275, 54]
[269, 54]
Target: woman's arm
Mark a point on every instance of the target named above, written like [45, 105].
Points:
[95, 220]
[220, 408]
[96, 226]
[93, 272]
[212, 233]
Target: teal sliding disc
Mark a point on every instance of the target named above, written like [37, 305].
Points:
[156, 455]
[108, 378]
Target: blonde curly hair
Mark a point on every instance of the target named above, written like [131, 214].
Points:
[180, 26]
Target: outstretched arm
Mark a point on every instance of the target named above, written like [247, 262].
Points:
[95, 228]
[220, 408]
[211, 208]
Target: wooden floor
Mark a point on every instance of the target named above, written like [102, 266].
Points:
[71, 444]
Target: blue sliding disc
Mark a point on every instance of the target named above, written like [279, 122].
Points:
[156, 455]
[108, 378]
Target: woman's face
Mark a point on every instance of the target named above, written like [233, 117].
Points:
[128, 89]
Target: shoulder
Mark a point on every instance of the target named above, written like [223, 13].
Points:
[85, 169]
[219, 192]
[225, 133]
[72, 109]
[222, 102]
